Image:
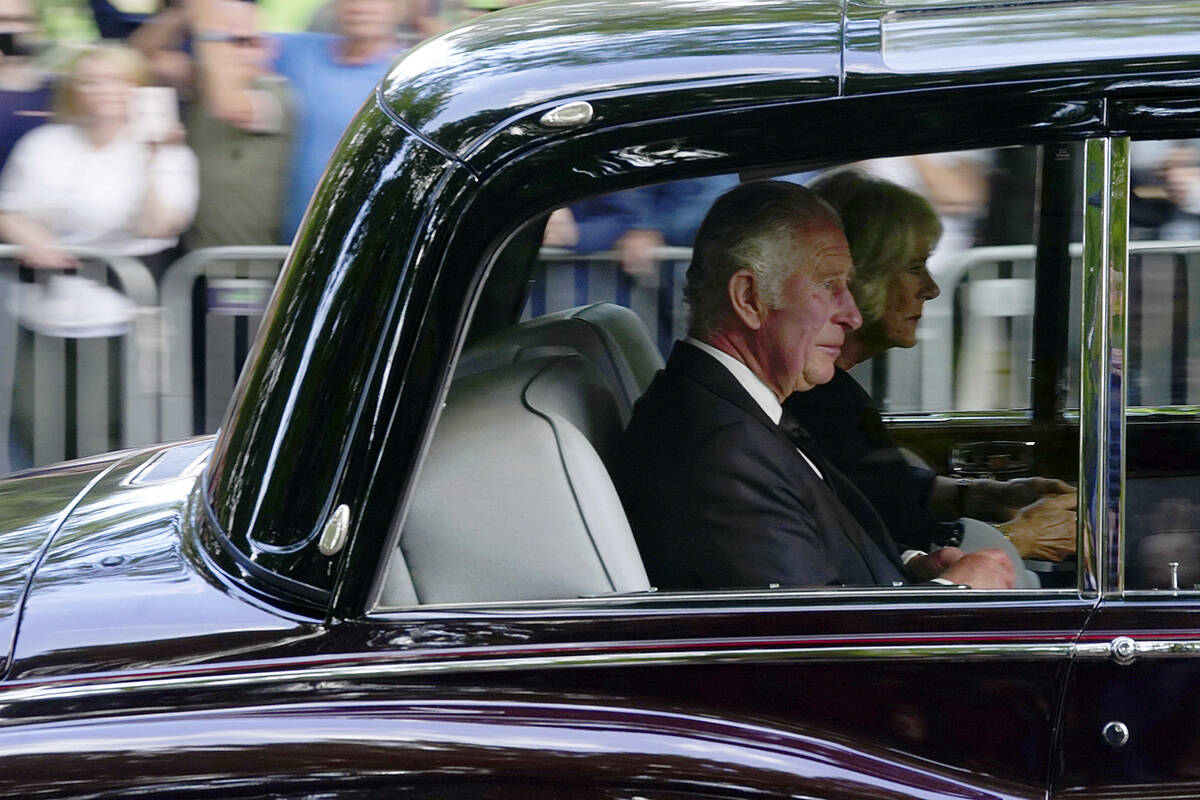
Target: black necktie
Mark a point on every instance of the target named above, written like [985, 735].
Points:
[854, 501]
[795, 432]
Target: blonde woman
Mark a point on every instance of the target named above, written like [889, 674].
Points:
[892, 231]
[91, 177]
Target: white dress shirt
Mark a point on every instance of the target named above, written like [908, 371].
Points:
[766, 399]
[762, 394]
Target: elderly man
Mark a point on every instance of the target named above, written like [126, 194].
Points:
[720, 489]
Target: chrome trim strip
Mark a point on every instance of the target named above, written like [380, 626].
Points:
[671, 602]
[1162, 411]
[1102, 393]
[1145, 648]
[1118, 271]
[1093, 373]
[59, 691]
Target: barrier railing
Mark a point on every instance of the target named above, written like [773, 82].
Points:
[172, 374]
[66, 397]
[975, 340]
[203, 353]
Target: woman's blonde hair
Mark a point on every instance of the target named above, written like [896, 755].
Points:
[67, 107]
[885, 224]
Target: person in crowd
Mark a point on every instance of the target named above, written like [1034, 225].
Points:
[722, 488]
[637, 222]
[114, 23]
[891, 231]
[90, 178]
[333, 75]
[956, 184]
[240, 127]
[163, 40]
[418, 20]
[25, 89]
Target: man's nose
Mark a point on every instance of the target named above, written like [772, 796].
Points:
[846, 314]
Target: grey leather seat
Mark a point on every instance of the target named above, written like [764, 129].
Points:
[513, 502]
[612, 337]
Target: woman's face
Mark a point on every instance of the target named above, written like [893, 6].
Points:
[103, 90]
[909, 286]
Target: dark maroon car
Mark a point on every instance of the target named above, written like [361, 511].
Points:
[401, 567]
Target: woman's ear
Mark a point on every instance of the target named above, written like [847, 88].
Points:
[745, 300]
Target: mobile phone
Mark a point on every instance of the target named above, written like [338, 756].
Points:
[155, 112]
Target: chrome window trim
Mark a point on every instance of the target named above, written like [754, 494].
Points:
[1118, 274]
[1014, 417]
[1105, 257]
[720, 600]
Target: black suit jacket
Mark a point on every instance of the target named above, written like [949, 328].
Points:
[719, 497]
[847, 426]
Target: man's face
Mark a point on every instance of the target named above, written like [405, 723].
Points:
[802, 338]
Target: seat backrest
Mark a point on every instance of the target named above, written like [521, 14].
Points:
[612, 337]
[513, 502]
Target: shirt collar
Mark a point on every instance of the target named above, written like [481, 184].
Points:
[762, 394]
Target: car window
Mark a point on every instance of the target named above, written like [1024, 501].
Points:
[528, 431]
[1162, 374]
[975, 342]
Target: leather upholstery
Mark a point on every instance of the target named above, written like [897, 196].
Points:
[612, 337]
[513, 502]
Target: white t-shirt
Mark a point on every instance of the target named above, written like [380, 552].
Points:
[91, 196]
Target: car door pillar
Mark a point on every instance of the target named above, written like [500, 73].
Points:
[1102, 391]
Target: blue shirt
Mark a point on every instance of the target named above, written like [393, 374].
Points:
[328, 94]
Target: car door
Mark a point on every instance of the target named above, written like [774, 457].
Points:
[1130, 725]
[920, 691]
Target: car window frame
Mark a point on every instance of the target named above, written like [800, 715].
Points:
[1085, 589]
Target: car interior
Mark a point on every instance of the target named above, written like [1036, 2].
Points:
[536, 404]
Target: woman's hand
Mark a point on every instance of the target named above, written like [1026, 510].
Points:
[1044, 530]
[1000, 501]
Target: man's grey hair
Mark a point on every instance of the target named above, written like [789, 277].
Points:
[759, 226]
[886, 225]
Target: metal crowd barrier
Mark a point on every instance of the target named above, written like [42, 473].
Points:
[975, 340]
[78, 396]
[172, 375]
[565, 279]
[203, 352]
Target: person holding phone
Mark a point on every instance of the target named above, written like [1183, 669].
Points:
[99, 176]
[240, 125]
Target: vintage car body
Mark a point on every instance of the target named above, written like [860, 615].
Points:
[202, 618]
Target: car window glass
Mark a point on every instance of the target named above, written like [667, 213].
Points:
[1162, 378]
[603, 308]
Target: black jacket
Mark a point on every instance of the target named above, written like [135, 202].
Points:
[847, 426]
[719, 497]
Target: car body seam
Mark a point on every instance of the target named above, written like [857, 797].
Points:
[44, 551]
[395, 117]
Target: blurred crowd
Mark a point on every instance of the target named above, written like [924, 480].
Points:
[186, 126]
[192, 126]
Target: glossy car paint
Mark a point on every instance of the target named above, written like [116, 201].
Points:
[33, 506]
[186, 636]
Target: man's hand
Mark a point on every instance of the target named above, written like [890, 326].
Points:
[983, 569]
[932, 565]
[1000, 501]
[1046, 529]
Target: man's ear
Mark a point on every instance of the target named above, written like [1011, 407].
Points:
[744, 299]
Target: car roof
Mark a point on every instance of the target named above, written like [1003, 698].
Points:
[500, 73]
